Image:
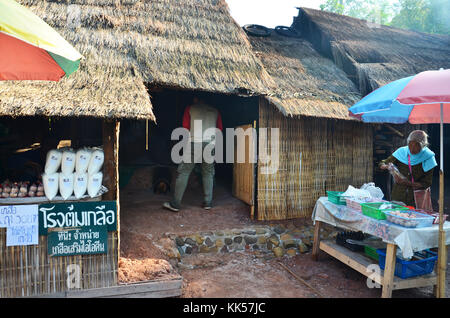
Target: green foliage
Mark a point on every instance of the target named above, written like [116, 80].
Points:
[431, 16]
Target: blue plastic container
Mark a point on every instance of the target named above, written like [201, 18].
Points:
[407, 269]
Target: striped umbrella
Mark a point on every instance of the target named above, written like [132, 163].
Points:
[30, 49]
[420, 99]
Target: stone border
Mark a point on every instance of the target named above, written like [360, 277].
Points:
[274, 240]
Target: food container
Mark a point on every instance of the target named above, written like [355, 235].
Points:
[336, 198]
[373, 210]
[435, 215]
[409, 218]
[355, 203]
[422, 263]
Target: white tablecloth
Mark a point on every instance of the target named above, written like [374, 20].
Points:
[409, 240]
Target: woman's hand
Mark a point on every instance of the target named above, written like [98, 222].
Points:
[383, 166]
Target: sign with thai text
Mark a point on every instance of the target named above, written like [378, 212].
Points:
[21, 223]
[77, 241]
[77, 214]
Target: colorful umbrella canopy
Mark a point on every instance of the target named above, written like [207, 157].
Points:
[30, 49]
[420, 99]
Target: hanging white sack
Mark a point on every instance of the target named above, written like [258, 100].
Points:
[80, 183]
[66, 185]
[51, 184]
[68, 161]
[83, 157]
[94, 183]
[96, 161]
[53, 161]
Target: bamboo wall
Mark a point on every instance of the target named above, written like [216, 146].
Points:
[315, 155]
[29, 271]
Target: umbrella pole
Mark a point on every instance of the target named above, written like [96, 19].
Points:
[442, 249]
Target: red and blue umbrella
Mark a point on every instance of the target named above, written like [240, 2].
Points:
[420, 99]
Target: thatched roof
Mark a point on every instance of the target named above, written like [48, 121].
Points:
[190, 44]
[372, 55]
[306, 83]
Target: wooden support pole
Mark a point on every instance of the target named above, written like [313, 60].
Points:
[316, 244]
[389, 270]
[111, 130]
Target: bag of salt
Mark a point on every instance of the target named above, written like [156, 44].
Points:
[51, 182]
[66, 185]
[68, 161]
[80, 183]
[96, 161]
[82, 159]
[53, 161]
[94, 183]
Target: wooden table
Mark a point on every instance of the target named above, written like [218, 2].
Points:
[360, 262]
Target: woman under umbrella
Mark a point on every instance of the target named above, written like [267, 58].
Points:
[422, 162]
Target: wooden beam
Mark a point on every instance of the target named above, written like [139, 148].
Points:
[316, 244]
[389, 269]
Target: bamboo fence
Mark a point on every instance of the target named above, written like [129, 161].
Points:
[315, 155]
[29, 271]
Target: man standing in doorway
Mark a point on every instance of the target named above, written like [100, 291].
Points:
[199, 119]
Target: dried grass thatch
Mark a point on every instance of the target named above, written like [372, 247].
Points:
[190, 44]
[306, 83]
[372, 55]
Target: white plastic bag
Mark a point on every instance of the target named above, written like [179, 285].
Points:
[80, 183]
[374, 191]
[53, 161]
[357, 194]
[96, 161]
[66, 185]
[94, 183]
[51, 184]
[68, 161]
[83, 157]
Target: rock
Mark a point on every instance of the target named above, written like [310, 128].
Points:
[307, 240]
[214, 249]
[289, 244]
[286, 237]
[204, 249]
[199, 239]
[269, 245]
[224, 249]
[262, 240]
[302, 248]
[278, 251]
[219, 233]
[250, 239]
[291, 252]
[219, 243]
[249, 232]
[228, 241]
[279, 229]
[238, 239]
[179, 241]
[274, 240]
[209, 242]
[190, 241]
[188, 250]
[255, 247]
[180, 250]
[260, 231]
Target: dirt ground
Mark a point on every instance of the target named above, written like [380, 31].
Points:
[233, 275]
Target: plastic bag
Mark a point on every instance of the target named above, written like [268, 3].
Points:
[80, 183]
[53, 161]
[51, 182]
[94, 183]
[66, 185]
[96, 161]
[422, 199]
[68, 161]
[358, 194]
[393, 170]
[83, 158]
[375, 192]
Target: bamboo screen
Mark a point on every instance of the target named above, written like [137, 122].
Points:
[315, 155]
[29, 271]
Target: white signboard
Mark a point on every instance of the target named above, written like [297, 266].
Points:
[22, 224]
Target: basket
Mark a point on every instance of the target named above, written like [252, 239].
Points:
[371, 252]
[372, 209]
[415, 221]
[355, 204]
[435, 215]
[336, 198]
[424, 264]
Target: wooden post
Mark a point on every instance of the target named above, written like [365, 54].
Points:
[389, 270]
[111, 130]
[316, 244]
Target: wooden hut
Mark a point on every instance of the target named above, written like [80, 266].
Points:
[373, 55]
[86, 107]
[321, 147]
